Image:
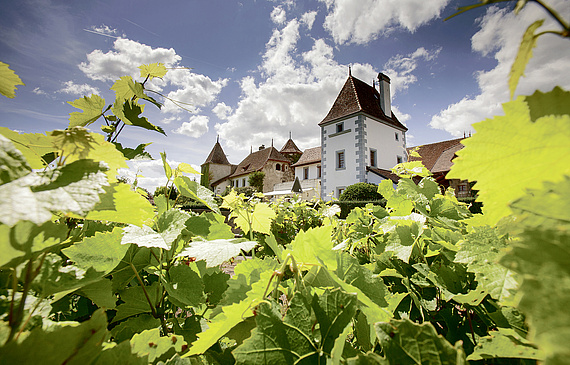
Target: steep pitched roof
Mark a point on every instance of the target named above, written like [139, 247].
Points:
[431, 153]
[445, 161]
[217, 156]
[357, 96]
[386, 174]
[256, 160]
[290, 147]
[311, 155]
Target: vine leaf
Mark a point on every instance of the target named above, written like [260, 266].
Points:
[101, 293]
[405, 342]
[541, 256]
[92, 107]
[8, 81]
[132, 110]
[32, 145]
[151, 343]
[102, 252]
[135, 301]
[120, 204]
[74, 188]
[68, 344]
[194, 190]
[13, 164]
[314, 247]
[153, 70]
[185, 287]
[119, 355]
[481, 250]
[216, 252]
[508, 154]
[170, 224]
[505, 343]
[524, 55]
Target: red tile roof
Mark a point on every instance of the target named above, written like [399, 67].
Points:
[311, 155]
[387, 174]
[217, 156]
[256, 160]
[358, 97]
[290, 147]
[431, 153]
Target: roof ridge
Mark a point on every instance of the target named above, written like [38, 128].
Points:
[355, 93]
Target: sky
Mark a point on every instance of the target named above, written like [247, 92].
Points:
[251, 72]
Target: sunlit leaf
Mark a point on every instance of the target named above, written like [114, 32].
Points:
[505, 147]
[505, 343]
[92, 107]
[523, 55]
[32, 145]
[122, 205]
[153, 70]
[151, 343]
[13, 165]
[217, 252]
[8, 81]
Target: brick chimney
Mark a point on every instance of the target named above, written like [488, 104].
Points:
[385, 102]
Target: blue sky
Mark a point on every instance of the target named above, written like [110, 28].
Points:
[261, 69]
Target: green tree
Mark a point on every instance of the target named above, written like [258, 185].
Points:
[255, 179]
[361, 192]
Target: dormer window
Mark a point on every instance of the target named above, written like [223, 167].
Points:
[340, 127]
[278, 167]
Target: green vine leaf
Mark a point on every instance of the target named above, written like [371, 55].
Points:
[194, 190]
[524, 55]
[77, 344]
[506, 146]
[185, 287]
[155, 346]
[33, 146]
[92, 107]
[131, 112]
[405, 342]
[8, 81]
[74, 188]
[135, 301]
[120, 204]
[13, 164]
[153, 70]
[102, 252]
[216, 252]
[505, 343]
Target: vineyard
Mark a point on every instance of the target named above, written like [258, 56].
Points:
[92, 273]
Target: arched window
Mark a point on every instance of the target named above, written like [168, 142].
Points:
[278, 167]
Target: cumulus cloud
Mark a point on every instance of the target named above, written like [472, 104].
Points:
[309, 18]
[499, 36]
[72, 88]
[278, 15]
[222, 110]
[360, 21]
[195, 128]
[150, 173]
[295, 91]
[185, 90]
[400, 68]
[39, 91]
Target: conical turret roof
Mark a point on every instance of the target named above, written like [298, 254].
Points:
[217, 156]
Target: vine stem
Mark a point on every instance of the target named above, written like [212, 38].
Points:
[555, 15]
[152, 309]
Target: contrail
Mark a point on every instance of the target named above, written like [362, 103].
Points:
[143, 28]
[106, 35]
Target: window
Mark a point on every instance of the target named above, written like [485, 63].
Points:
[372, 157]
[318, 171]
[340, 165]
[339, 127]
[278, 167]
[305, 173]
[462, 188]
[339, 191]
[397, 136]
[399, 159]
[243, 182]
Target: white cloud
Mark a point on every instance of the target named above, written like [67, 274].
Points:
[222, 110]
[295, 91]
[150, 173]
[309, 18]
[278, 15]
[125, 58]
[196, 127]
[104, 30]
[360, 21]
[400, 68]
[500, 36]
[186, 91]
[39, 91]
[69, 87]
